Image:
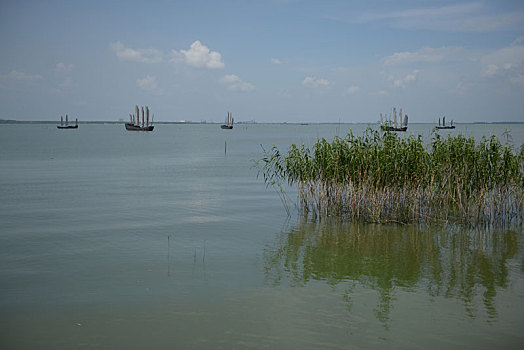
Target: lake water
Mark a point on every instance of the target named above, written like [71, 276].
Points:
[168, 240]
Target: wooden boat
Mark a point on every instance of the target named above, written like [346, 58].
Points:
[229, 122]
[134, 127]
[134, 121]
[444, 126]
[393, 128]
[66, 125]
[389, 125]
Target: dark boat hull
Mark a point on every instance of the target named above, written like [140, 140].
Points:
[134, 127]
[446, 127]
[392, 128]
[68, 127]
[226, 126]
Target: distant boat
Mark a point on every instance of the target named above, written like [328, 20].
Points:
[444, 126]
[134, 121]
[66, 125]
[229, 122]
[394, 125]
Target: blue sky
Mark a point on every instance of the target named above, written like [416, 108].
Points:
[268, 61]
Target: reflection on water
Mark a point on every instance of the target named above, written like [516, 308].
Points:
[468, 265]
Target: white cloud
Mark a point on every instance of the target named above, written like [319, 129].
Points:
[425, 55]
[473, 16]
[403, 81]
[518, 41]
[433, 12]
[276, 61]
[489, 70]
[68, 83]
[352, 89]
[314, 82]
[517, 79]
[460, 89]
[235, 83]
[411, 76]
[16, 78]
[64, 68]
[136, 55]
[284, 93]
[199, 56]
[490, 23]
[149, 84]
[229, 79]
[21, 76]
[506, 63]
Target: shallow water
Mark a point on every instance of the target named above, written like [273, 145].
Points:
[168, 239]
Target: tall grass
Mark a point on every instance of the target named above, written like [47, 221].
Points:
[381, 177]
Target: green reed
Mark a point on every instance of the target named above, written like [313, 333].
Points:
[381, 177]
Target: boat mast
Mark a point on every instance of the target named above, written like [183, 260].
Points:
[61, 120]
[395, 116]
[66, 120]
[76, 121]
[137, 113]
[147, 116]
[142, 116]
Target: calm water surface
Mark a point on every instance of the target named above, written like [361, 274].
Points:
[167, 240]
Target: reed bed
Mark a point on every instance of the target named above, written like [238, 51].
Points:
[382, 177]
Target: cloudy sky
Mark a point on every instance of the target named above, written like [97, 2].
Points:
[263, 60]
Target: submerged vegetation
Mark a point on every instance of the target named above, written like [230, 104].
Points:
[382, 177]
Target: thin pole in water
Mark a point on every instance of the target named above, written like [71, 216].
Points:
[204, 256]
[168, 264]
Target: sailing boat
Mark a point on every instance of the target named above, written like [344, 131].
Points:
[401, 125]
[229, 121]
[134, 120]
[444, 126]
[66, 125]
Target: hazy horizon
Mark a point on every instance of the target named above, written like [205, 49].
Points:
[268, 61]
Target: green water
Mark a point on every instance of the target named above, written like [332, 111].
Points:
[115, 239]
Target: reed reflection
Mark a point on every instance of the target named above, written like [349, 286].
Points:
[468, 265]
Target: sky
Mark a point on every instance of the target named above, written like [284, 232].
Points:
[262, 60]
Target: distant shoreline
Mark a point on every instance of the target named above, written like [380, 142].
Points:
[13, 121]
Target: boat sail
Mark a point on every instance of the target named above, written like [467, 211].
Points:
[134, 120]
[66, 125]
[228, 122]
[395, 124]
